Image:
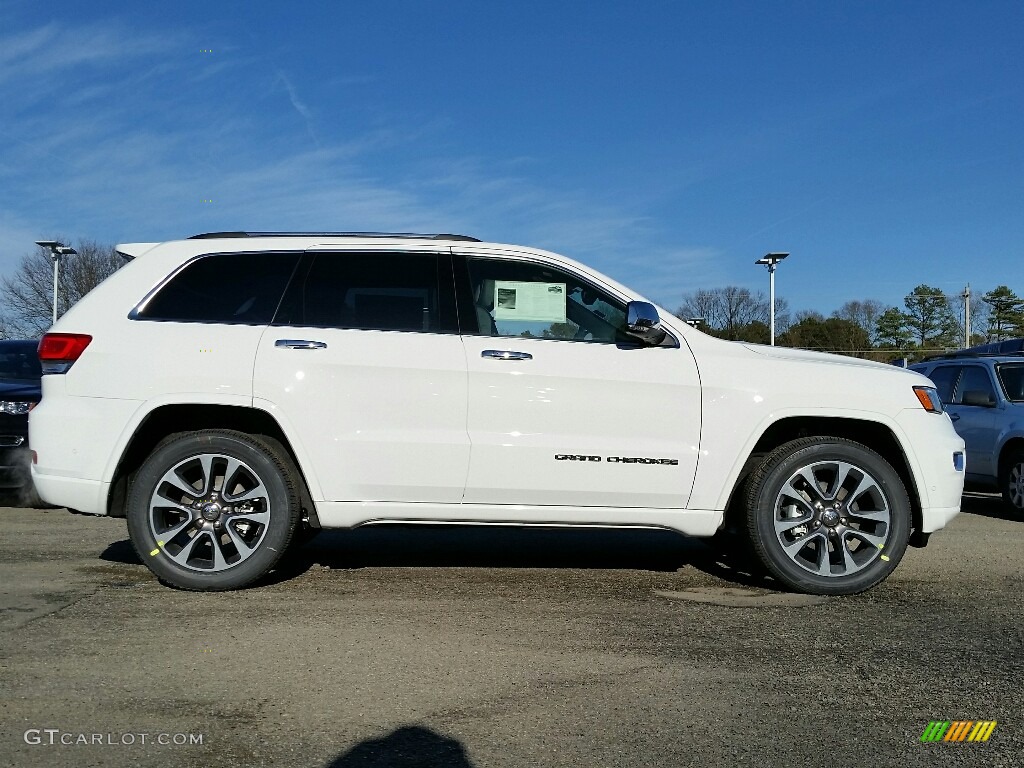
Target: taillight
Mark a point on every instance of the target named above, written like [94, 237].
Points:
[59, 351]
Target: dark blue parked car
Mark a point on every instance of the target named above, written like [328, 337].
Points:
[984, 396]
[20, 378]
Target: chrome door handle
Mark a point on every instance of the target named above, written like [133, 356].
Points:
[300, 344]
[505, 354]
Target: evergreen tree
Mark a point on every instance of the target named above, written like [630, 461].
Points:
[1006, 316]
[893, 330]
[930, 319]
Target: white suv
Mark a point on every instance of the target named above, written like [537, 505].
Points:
[232, 392]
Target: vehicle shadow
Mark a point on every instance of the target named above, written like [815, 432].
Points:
[411, 746]
[988, 505]
[490, 546]
[497, 546]
[121, 552]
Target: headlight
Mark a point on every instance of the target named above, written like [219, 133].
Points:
[929, 399]
[16, 407]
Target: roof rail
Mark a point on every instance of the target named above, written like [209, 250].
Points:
[403, 235]
[969, 354]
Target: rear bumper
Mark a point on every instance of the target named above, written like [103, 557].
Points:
[76, 442]
[89, 496]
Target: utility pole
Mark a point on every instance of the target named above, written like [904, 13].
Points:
[967, 316]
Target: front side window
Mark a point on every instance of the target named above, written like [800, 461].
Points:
[525, 299]
[974, 379]
[379, 291]
[1011, 376]
[223, 288]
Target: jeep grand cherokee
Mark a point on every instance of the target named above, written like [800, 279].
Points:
[231, 392]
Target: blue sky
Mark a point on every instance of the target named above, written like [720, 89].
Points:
[669, 144]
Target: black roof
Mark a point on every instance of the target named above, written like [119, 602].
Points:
[404, 235]
[1005, 348]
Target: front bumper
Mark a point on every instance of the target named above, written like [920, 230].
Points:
[14, 468]
[13, 430]
[931, 446]
[13, 452]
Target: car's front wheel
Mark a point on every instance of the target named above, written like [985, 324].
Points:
[1011, 482]
[212, 510]
[827, 516]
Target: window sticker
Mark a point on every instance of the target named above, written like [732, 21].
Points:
[531, 302]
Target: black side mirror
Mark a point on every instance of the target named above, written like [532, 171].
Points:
[642, 322]
[977, 397]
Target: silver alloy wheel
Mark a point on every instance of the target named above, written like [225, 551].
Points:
[209, 512]
[1015, 485]
[832, 518]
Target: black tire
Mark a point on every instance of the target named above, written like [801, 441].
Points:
[304, 533]
[840, 536]
[1011, 482]
[217, 538]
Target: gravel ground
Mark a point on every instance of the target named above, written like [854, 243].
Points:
[502, 647]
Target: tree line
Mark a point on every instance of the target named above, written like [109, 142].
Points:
[929, 321]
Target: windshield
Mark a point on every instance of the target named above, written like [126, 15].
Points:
[18, 360]
[1011, 377]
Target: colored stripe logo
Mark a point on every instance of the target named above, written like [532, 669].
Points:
[958, 730]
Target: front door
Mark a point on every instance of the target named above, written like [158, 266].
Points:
[976, 423]
[564, 409]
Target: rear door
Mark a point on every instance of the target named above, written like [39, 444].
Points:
[364, 366]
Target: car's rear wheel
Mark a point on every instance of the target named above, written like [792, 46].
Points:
[212, 510]
[1011, 482]
[827, 516]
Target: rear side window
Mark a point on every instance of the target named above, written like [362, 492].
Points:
[223, 288]
[376, 291]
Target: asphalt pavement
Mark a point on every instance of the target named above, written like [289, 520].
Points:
[428, 647]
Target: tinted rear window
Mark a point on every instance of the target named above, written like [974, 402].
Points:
[224, 288]
[373, 291]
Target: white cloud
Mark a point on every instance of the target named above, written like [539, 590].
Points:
[300, 106]
[52, 48]
[121, 135]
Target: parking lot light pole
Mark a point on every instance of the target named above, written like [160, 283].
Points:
[770, 260]
[56, 251]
